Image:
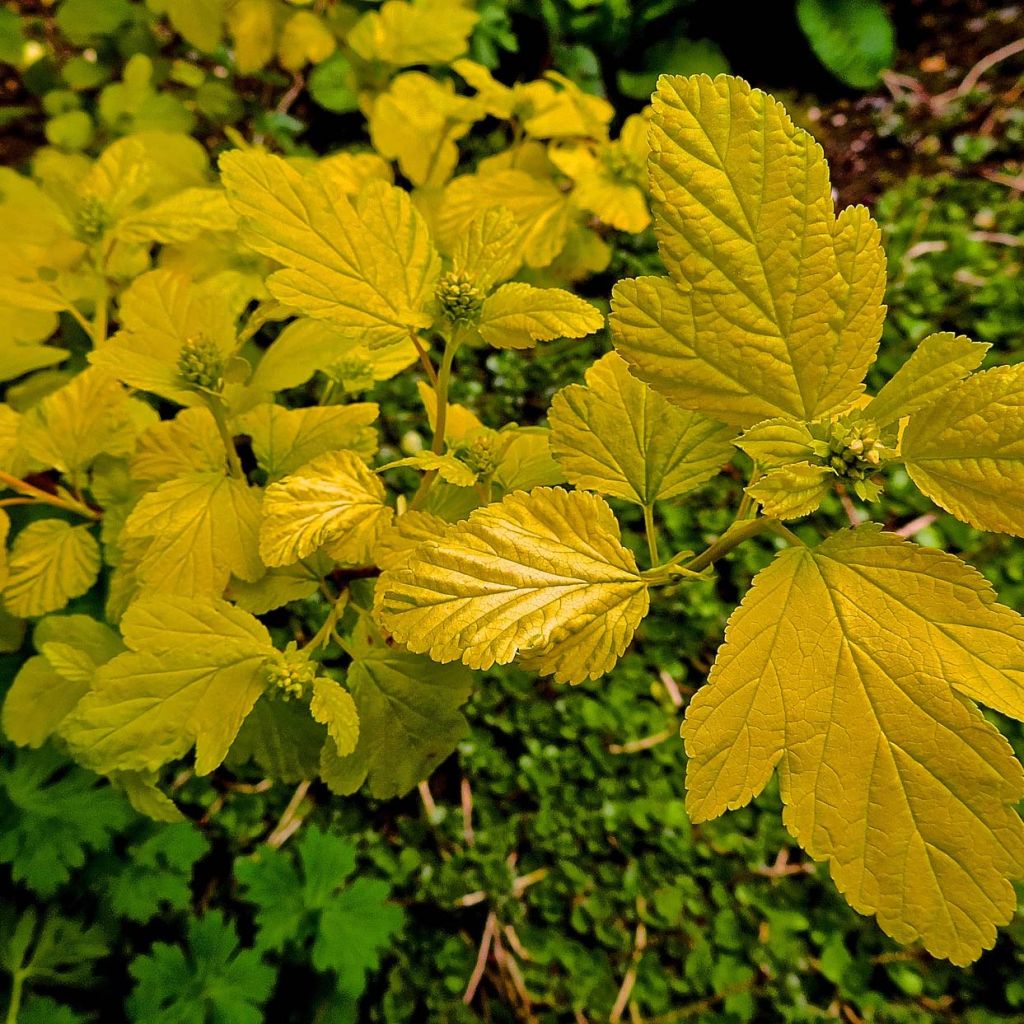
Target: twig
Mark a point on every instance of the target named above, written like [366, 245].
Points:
[290, 819]
[629, 979]
[508, 966]
[672, 688]
[428, 800]
[973, 76]
[782, 868]
[467, 811]
[633, 746]
[481, 958]
[915, 526]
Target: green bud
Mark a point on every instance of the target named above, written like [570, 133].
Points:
[353, 373]
[201, 365]
[459, 298]
[91, 220]
[482, 453]
[290, 676]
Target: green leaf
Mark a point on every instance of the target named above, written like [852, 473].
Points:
[282, 739]
[617, 436]
[938, 361]
[355, 928]
[332, 84]
[287, 896]
[543, 575]
[409, 718]
[854, 39]
[159, 877]
[192, 674]
[966, 451]
[210, 980]
[50, 562]
[773, 304]
[50, 815]
[853, 667]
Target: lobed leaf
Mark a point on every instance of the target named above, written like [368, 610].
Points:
[853, 667]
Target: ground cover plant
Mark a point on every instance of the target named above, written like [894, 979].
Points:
[300, 450]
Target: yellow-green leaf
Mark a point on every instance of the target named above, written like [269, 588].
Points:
[284, 440]
[368, 268]
[192, 674]
[91, 415]
[617, 436]
[161, 311]
[518, 315]
[773, 305]
[334, 502]
[543, 575]
[332, 705]
[966, 451]
[197, 530]
[180, 217]
[489, 249]
[447, 467]
[189, 443]
[48, 686]
[50, 562]
[416, 32]
[938, 361]
[405, 533]
[541, 211]
[305, 39]
[777, 442]
[409, 718]
[307, 345]
[853, 667]
[417, 122]
[793, 490]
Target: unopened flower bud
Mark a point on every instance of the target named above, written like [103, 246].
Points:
[201, 365]
[459, 297]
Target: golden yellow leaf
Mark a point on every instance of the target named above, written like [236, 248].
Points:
[50, 562]
[405, 533]
[792, 491]
[194, 532]
[334, 502]
[539, 208]
[518, 315]
[852, 667]
[773, 305]
[543, 575]
[617, 436]
[368, 268]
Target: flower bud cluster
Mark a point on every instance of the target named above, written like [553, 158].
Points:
[855, 452]
[91, 219]
[482, 453]
[201, 365]
[459, 297]
[290, 677]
